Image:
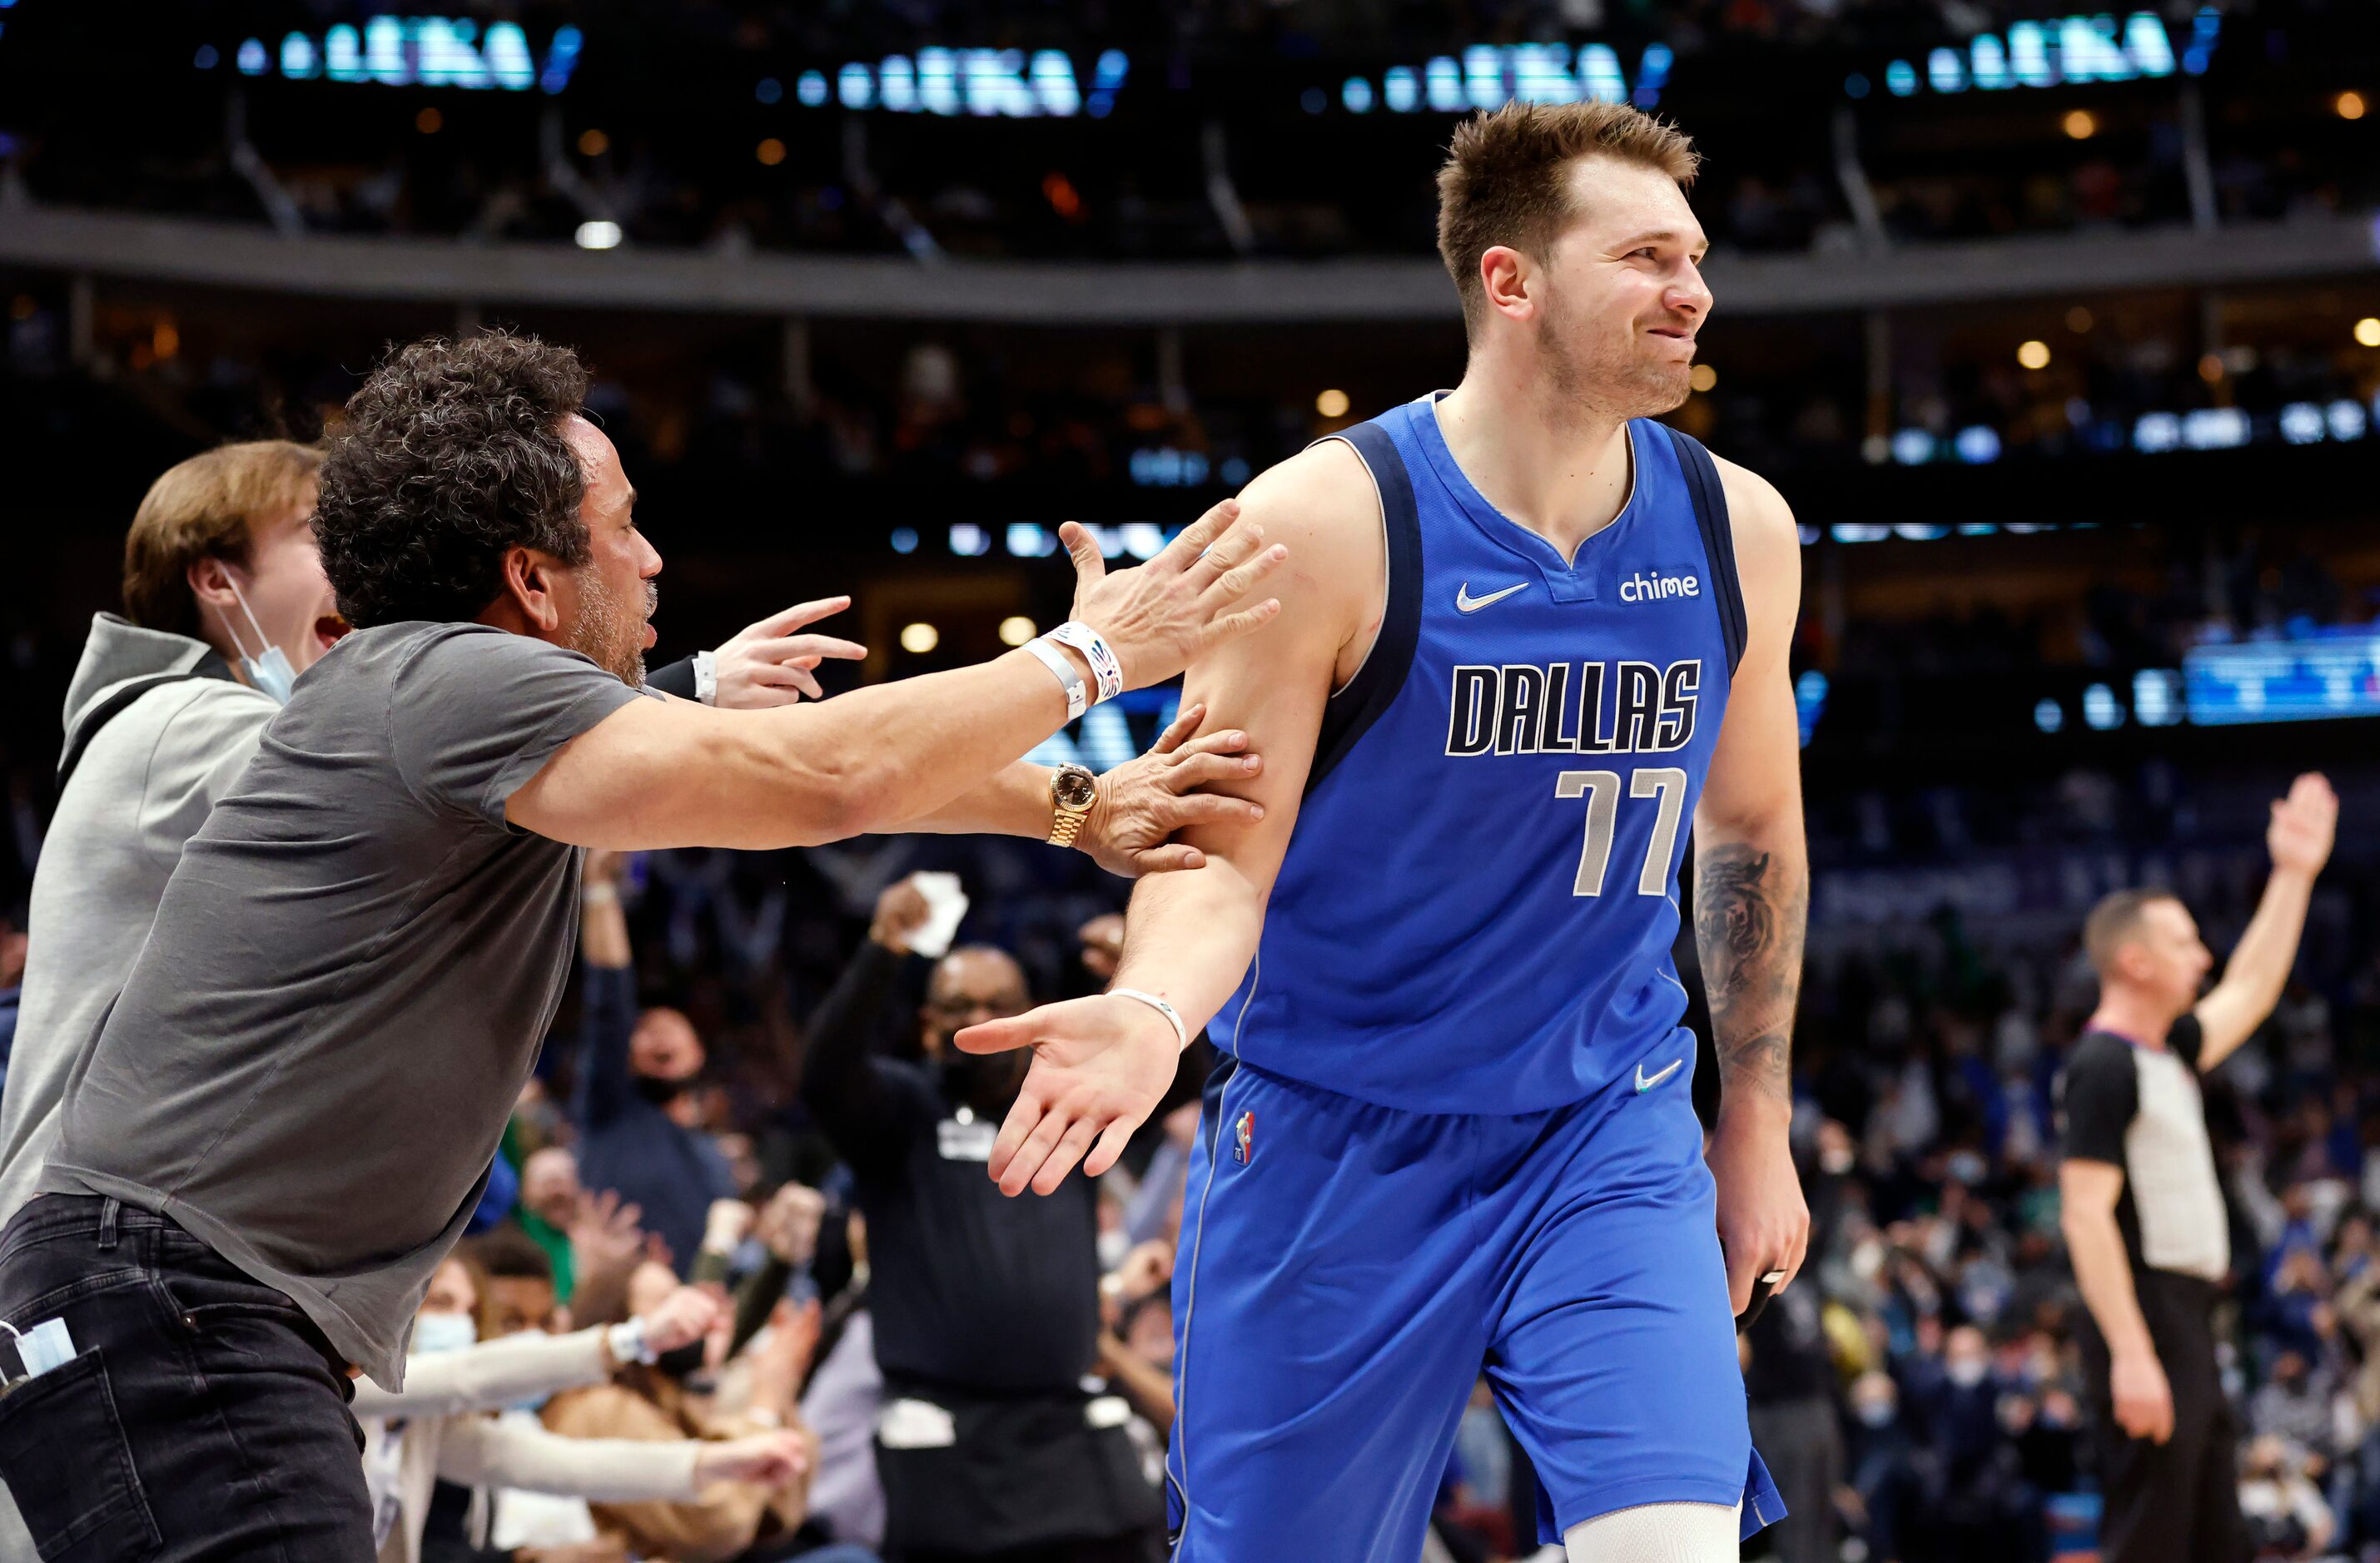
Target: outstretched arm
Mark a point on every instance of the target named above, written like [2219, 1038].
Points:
[660, 773]
[1102, 1063]
[2300, 839]
[1752, 900]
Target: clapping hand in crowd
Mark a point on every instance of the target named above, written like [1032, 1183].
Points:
[685, 1317]
[788, 1224]
[901, 910]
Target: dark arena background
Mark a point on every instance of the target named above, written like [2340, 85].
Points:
[2058, 331]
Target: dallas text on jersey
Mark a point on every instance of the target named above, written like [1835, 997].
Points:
[1621, 707]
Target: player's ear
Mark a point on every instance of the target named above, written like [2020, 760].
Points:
[1508, 280]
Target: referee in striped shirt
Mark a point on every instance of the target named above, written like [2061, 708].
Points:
[2143, 1208]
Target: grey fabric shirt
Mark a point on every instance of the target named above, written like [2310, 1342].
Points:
[316, 1052]
[148, 779]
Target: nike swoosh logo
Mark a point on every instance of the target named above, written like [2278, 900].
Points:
[1645, 1085]
[1470, 605]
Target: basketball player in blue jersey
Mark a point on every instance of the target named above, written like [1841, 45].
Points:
[1531, 636]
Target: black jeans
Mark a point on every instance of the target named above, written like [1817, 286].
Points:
[202, 1417]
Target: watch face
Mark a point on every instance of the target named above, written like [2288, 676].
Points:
[1074, 788]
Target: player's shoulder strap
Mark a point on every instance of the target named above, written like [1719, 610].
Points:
[1352, 710]
[1710, 499]
[211, 666]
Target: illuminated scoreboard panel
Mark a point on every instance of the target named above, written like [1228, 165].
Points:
[2302, 680]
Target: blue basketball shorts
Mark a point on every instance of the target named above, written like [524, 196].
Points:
[1348, 1271]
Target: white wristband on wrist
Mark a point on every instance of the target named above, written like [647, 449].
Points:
[1078, 699]
[1172, 1016]
[706, 677]
[1105, 665]
[627, 1342]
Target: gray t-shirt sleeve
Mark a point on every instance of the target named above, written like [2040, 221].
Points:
[476, 714]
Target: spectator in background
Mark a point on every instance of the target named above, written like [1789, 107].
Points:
[425, 1452]
[224, 604]
[551, 1198]
[639, 1133]
[986, 1310]
[667, 1402]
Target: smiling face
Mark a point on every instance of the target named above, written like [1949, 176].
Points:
[1613, 307]
[607, 603]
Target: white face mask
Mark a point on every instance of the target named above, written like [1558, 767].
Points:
[1967, 1372]
[444, 1332]
[268, 670]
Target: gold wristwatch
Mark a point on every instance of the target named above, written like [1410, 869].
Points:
[1072, 790]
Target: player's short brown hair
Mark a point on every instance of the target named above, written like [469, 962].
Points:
[1505, 180]
[207, 508]
[2114, 921]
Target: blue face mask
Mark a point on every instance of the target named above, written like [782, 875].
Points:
[444, 1332]
[268, 670]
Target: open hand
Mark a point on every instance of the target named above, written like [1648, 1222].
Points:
[767, 664]
[1164, 614]
[1143, 802]
[2303, 825]
[1099, 1067]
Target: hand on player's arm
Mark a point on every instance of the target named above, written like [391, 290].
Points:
[1751, 903]
[2300, 835]
[1139, 806]
[1101, 1065]
[662, 773]
[2088, 1192]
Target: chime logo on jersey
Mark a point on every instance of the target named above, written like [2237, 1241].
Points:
[1642, 587]
[1573, 708]
[1244, 1137]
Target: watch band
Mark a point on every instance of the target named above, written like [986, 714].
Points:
[1077, 697]
[1173, 1016]
[1105, 666]
[706, 677]
[1066, 823]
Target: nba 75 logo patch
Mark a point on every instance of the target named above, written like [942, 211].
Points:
[1244, 1137]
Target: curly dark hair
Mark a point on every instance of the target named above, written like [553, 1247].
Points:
[452, 453]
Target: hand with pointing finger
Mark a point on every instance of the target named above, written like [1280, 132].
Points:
[768, 664]
[1192, 596]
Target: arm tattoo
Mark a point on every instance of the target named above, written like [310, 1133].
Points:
[1751, 910]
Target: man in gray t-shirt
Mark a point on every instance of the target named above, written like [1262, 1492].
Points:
[359, 888]
[289, 1114]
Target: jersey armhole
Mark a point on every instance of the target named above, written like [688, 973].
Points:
[1354, 707]
[1709, 498]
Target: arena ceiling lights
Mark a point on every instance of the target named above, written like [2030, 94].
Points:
[414, 52]
[2055, 52]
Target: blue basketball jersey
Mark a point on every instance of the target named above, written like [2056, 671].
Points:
[1477, 907]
